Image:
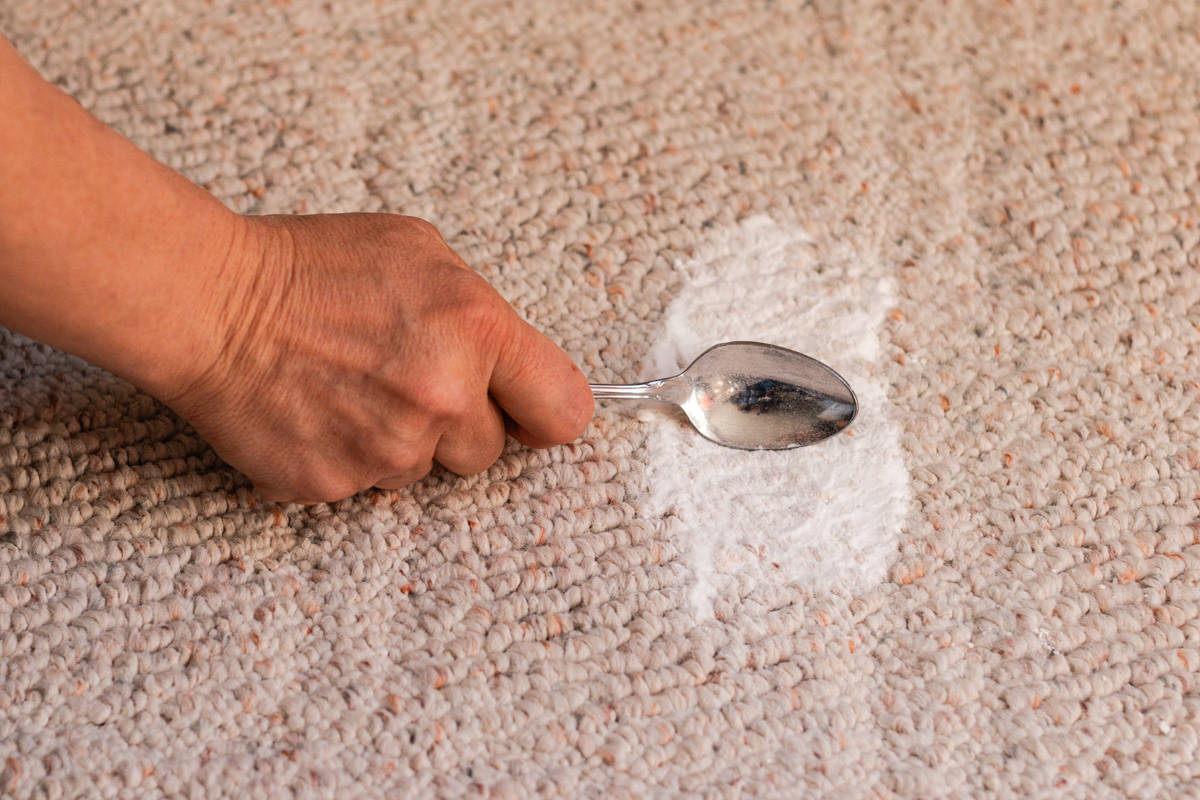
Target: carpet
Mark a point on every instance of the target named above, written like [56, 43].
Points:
[1017, 179]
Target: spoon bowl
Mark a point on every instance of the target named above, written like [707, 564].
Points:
[752, 396]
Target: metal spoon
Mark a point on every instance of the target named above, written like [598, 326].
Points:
[752, 396]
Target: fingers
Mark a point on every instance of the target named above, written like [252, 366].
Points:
[476, 443]
[273, 494]
[468, 444]
[405, 478]
[276, 494]
[394, 356]
[541, 389]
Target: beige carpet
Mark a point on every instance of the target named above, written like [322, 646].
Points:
[1026, 174]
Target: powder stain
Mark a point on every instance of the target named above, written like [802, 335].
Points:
[827, 516]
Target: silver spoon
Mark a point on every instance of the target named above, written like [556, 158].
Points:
[752, 396]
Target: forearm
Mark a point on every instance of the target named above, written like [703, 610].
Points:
[104, 252]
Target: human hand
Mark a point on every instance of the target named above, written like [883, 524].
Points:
[353, 350]
[320, 355]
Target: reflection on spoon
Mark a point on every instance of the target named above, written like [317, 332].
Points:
[752, 396]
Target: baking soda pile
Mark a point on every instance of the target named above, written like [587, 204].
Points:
[826, 516]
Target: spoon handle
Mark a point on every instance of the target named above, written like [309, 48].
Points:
[626, 391]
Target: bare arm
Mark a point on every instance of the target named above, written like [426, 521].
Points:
[104, 252]
[320, 355]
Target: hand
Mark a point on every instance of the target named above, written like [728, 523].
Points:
[319, 355]
[354, 350]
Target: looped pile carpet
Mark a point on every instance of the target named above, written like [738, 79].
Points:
[1022, 174]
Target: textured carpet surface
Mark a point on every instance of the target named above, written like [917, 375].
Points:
[1026, 174]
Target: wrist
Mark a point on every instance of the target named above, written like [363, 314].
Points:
[189, 309]
[104, 252]
[217, 338]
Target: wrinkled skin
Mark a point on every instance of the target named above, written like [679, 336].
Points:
[354, 350]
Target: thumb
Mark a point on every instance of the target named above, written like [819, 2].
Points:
[540, 388]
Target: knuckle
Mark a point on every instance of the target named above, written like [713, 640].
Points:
[473, 312]
[420, 226]
[403, 464]
[466, 308]
[470, 295]
[443, 399]
[477, 461]
[398, 233]
[423, 234]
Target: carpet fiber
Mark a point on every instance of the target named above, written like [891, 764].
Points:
[1023, 174]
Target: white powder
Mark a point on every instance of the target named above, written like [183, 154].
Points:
[825, 516]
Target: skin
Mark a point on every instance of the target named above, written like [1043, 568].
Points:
[320, 355]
